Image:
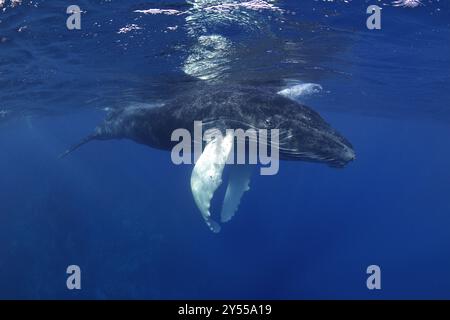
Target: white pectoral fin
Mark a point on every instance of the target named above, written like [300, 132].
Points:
[238, 183]
[207, 175]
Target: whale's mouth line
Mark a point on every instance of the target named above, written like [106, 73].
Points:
[289, 154]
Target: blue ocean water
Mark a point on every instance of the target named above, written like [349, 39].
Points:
[124, 212]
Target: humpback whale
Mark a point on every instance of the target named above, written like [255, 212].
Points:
[303, 135]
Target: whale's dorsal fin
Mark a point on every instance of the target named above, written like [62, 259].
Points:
[238, 183]
[207, 175]
[296, 90]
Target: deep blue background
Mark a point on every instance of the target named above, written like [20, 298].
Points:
[124, 213]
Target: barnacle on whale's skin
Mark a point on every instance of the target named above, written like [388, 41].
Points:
[407, 3]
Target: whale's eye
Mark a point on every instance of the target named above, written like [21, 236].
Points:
[268, 122]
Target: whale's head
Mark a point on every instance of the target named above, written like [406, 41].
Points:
[305, 136]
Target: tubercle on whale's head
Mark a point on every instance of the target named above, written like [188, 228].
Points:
[340, 152]
[307, 137]
[331, 149]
